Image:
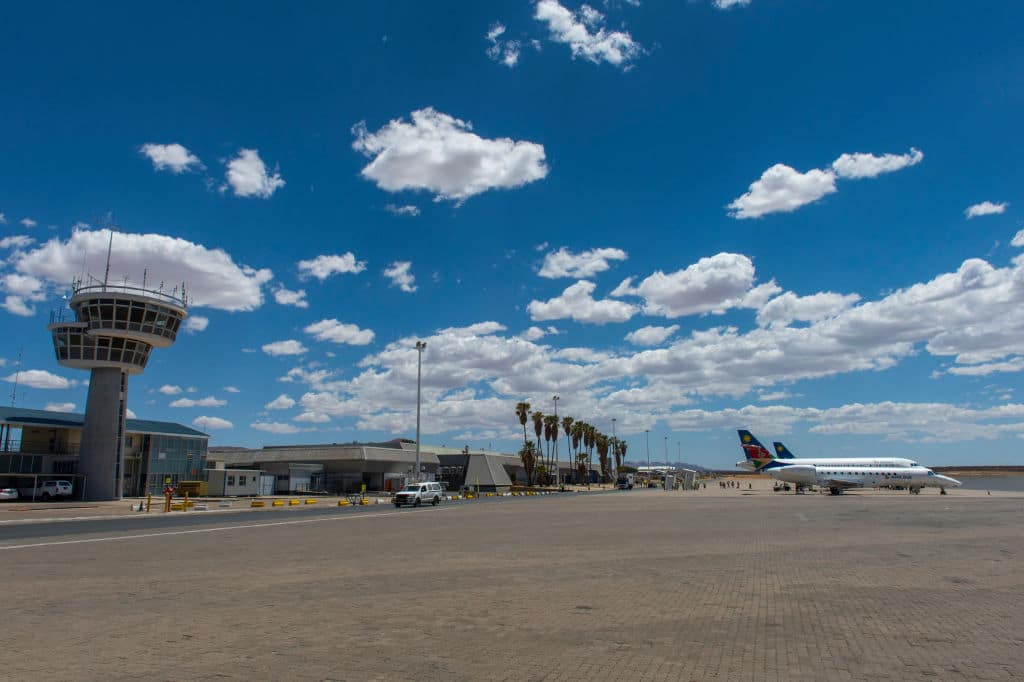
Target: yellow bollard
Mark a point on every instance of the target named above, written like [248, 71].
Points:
[310, 501]
[278, 503]
[257, 503]
[292, 503]
[149, 501]
[342, 503]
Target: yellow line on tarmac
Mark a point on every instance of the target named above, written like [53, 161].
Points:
[217, 529]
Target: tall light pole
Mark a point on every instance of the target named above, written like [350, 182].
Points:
[615, 448]
[647, 436]
[666, 452]
[558, 472]
[420, 347]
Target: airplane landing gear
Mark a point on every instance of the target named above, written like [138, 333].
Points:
[835, 491]
[942, 491]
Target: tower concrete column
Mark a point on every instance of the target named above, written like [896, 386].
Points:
[101, 457]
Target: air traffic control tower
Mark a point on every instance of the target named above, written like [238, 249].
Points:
[115, 330]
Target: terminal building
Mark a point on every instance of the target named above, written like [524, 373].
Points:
[37, 445]
[340, 468]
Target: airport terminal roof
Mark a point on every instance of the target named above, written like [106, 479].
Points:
[19, 416]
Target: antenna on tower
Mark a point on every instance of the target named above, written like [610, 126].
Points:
[110, 247]
[17, 375]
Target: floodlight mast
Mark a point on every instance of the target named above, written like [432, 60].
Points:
[420, 347]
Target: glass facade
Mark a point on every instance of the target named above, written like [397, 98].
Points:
[179, 458]
[70, 342]
[125, 314]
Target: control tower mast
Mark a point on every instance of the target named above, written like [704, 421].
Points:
[115, 329]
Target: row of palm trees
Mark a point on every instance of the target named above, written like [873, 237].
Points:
[583, 439]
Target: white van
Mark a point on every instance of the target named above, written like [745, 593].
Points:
[419, 493]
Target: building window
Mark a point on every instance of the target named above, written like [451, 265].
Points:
[231, 480]
[241, 480]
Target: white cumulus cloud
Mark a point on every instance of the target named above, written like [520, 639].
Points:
[170, 157]
[860, 165]
[196, 323]
[782, 189]
[789, 307]
[211, 423]
[503, 51]
[209, 401]
[40, 378]
[339, 332]
[289, 347]
[985, 208]
[577, 303]
[565, 263]
[168, 389]
[726, 4]
[212, 278]
[247, 175]
[711, 285]
[441, 154]
[28, 222]
[18, 241]
[274, 427]
[1018, 239]
[281, 402]
[286, 296]
[651, 336]
[398, 273]
[60, 407]
[402, 210]
[585, 35]
[324, 266]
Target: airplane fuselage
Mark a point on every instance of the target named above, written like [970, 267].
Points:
[866, 462]
[836, 475]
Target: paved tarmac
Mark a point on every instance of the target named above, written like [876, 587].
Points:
[631, 585]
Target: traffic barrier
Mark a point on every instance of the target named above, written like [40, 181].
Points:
[278, 503]
[256, 503]
[177, 506]
[363, 502]
[343, 503]
[310, 501]
[292, 503]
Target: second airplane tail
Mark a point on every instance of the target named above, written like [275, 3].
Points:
[781, 451]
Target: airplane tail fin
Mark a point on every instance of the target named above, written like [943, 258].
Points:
[782, 452]
[753, 450]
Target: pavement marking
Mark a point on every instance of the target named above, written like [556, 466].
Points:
[107, 517]
[217, 529]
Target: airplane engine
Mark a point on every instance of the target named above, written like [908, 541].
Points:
[802, 474]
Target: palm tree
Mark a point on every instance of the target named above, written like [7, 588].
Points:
[523, 411]
[550, 435]
[538, 425]
[602, 453]
[578, 429]
[528, 455]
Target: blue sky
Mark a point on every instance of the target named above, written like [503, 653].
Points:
[797, 217]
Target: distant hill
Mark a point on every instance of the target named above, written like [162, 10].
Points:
[674, 465]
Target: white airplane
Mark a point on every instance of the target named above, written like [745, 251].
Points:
[758, 457]
[839, 474]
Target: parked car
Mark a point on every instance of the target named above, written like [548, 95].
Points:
[9, 494]
[46, 490]
[419, 493]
